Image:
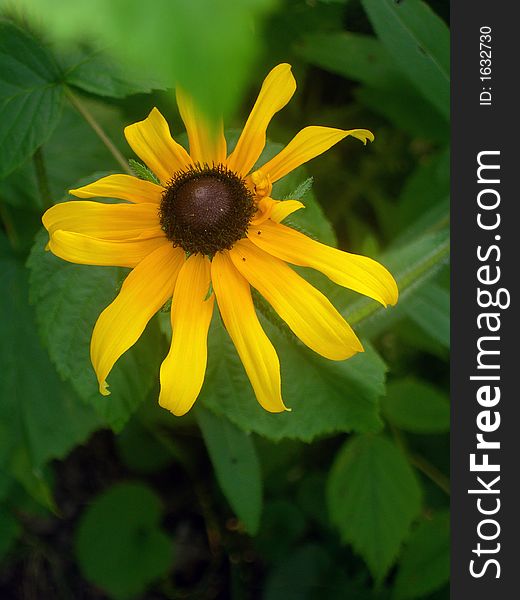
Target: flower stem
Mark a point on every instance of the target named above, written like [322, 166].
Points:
[431, 472]
[421, 463]
[89, 118]
[41, 178]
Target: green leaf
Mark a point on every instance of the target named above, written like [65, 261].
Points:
[237, 469]
[325, 396]
[407, 110]
[419, 43]
[140, 451]
[98, 73]
[165, 40]
[299, 575]
[68, 299]
[355, 56]
[85, 154]
[45, 416]
[429, 308]
[9, 531]
[373, 497]
[416, 406]
[386, 90]
[142, 171]
[427, 188]
[412, 265]
[284, 522]
[30, 96]
[119, 545]
[425, 563]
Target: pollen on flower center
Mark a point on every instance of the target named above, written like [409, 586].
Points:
[206, 209]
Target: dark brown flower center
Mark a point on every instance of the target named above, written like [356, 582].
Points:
[206, 209]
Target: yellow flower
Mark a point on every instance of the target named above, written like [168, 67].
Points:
[210, 230]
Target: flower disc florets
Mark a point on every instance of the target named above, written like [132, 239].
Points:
[206, 209]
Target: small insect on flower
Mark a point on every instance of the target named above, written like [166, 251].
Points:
[209, 230]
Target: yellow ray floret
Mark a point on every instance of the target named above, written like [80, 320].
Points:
[208, 232]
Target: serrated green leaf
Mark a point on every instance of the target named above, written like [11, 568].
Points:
[325, 396]
[236, 465]
[30, 96]
[97, 73]
[45, 417]
[416, 406]
[419, 43]
[84, 155]
[68, 299]
[119, 545]
[425, 563]
[373, 498]
[142, 171]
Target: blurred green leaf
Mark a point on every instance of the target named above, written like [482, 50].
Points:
[419, 42]
[34, 480]
[373, 497]
[299, 575]
[140, 451]
[119, 545]
[425, 563]
[416, 406]
[355, 56]
[429, 308]
[68, 299]
[9, 531]
[325, 396]
[407, 110]
[236, 465]
[207, 47]
[281, 521]
[386, 90]
[30, 96]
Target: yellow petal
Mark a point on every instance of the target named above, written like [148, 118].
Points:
[152, 142]
[108, 221]
[144, 292]
[353, 271]
[253, 346]
[122, 187]
[183, 370]
[86, 250]
[276, 210]
[207, 144]
[277, 89]
[306, 311]
[308, 143]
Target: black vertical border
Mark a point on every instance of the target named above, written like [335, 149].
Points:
[476, 128]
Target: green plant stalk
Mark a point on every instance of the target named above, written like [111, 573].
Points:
[421, 463]
[84, 112]
[41, 178]
[9, 227]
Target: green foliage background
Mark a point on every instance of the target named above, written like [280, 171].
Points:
[347, 496]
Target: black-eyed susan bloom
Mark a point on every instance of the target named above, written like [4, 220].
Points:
[208, 231]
